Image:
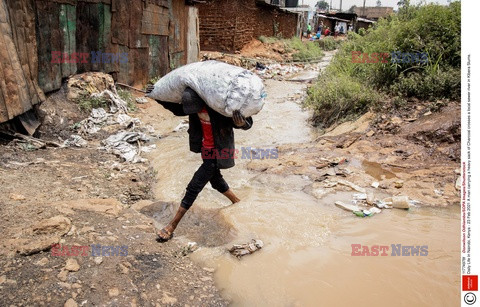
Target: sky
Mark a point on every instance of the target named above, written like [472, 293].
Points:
[346, 4]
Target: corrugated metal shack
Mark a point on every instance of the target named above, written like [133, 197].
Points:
[134, 40]
[228, 25]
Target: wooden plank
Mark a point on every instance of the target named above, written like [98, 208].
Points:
[19, 88]
[68, 28]
[49, 39]
[87, 35]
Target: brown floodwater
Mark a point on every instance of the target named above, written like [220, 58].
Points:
[306, 260]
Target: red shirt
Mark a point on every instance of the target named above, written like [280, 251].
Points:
[207, 141]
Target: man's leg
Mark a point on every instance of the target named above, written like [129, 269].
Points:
[196, 185]
[219, 184]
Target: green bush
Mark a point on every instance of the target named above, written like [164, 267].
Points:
[339, 98]
[432, 29]
[328, 43]
[87, 103]
[304, 51]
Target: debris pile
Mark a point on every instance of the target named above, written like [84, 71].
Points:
[127, 142]
[240, 250]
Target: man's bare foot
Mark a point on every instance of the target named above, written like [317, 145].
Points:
[230, 195]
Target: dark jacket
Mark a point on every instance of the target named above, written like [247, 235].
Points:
[222, 128]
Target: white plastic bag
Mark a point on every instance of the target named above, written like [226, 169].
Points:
[225, 88]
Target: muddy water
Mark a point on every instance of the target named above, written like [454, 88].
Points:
[307, 258]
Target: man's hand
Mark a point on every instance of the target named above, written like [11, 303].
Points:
[238, 119]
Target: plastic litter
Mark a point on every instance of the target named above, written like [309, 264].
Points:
[75, 141]
[120, 144]
[399, 202]
[347, 207]
[240, 250]
[225, 88]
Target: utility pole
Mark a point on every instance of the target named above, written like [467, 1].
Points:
[340, 5]
[364, 8]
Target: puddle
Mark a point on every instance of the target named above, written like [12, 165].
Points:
[306, 260]
[377, 171]
[207, 227]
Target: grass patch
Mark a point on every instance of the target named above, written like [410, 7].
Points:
[346, 88]
[303, 51]
[328, 43]
[127, 96]
[87, 103]
[339, 99]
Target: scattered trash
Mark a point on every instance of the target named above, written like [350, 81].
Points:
[383, 205]
[367, 212]
[351, 185]
[399, 202]
[120, 144]
[182, 126]
[190, 248]
[458, 183]
[347, 207]
[240, 250]
[360, 196]
[141, 100]
[375, 184]
[75, 141]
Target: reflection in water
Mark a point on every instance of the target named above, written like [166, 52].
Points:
[306, 260]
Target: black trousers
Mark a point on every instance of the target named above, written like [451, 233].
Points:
[208, 171]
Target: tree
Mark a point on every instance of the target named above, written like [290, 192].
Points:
[352, 9]
[379, 3]
[322, 5]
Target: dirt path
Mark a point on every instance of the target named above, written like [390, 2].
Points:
[85, 197]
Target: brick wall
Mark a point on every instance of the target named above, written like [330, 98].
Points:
[227, 25]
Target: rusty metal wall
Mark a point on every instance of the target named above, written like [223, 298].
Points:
[19, 90]
[151, 33]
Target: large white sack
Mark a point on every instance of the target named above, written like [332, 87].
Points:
[225, 88]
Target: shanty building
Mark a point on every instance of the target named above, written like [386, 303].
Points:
[45, 41]
[228, 25]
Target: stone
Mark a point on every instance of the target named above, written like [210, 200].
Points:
[168, 299]
[209, 270]
[98, 260]
[398, 184]
[55, 225]
[141, 204]
[14, 196]
[3, 279]
[62, 275]
[370, 133]
[42, 261]
[113, 292]
[70, 303]
[108, 206]
[72, 265]
[29, 247]
[65, 285]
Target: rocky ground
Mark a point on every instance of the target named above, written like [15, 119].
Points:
[84, 196]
